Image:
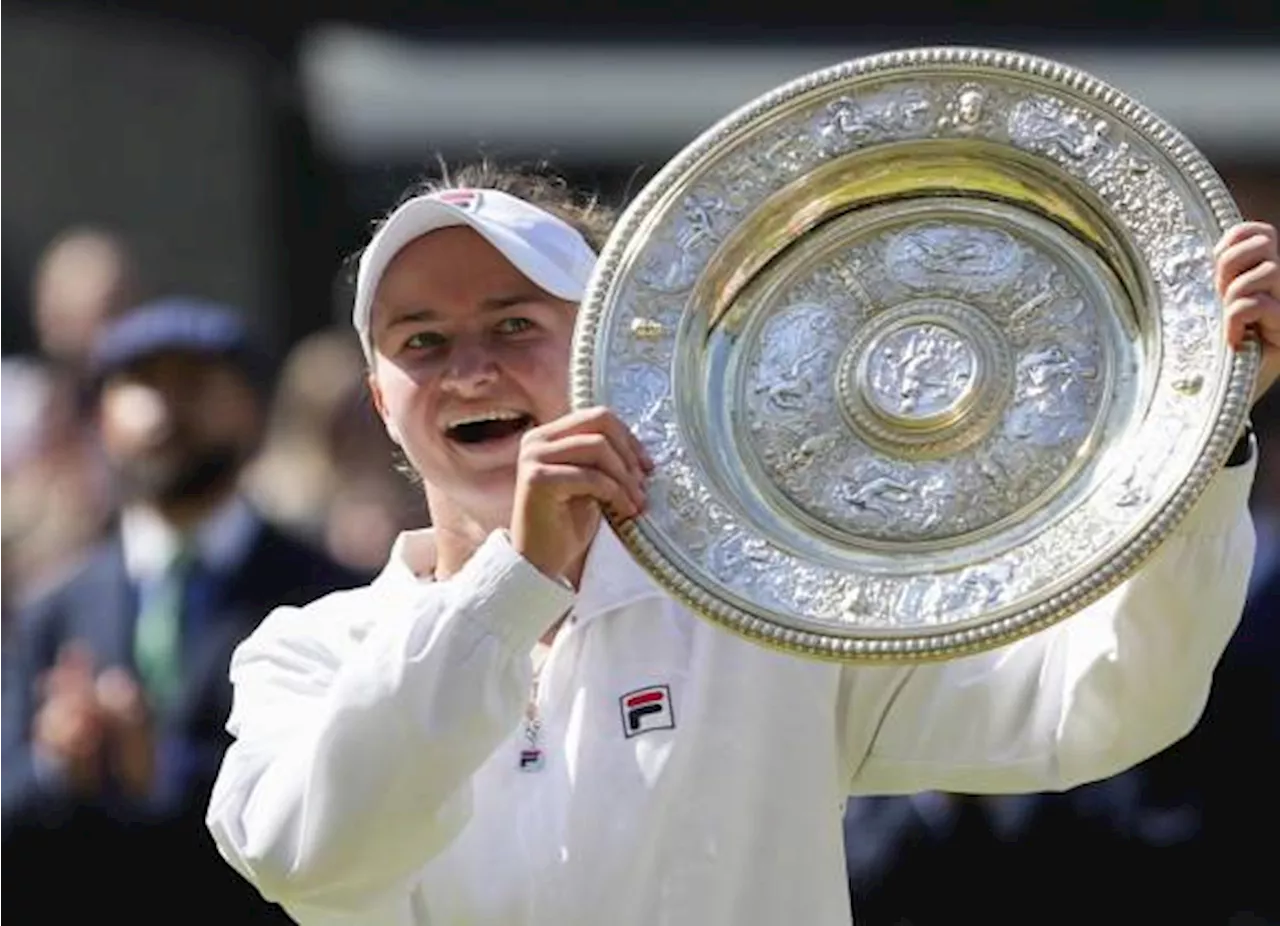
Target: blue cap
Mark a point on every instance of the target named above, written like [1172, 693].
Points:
[176, 324]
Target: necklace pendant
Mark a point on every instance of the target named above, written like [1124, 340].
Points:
[531, 760]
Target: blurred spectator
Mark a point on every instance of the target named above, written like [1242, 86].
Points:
[85, 277]
[327, 466]
[54, 494]
[365, 515]
[116, 686]
[295, 476]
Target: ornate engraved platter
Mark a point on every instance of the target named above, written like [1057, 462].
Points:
[926, 348]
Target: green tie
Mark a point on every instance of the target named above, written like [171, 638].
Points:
[158, 635]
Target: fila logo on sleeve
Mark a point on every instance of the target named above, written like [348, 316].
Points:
[647, 709]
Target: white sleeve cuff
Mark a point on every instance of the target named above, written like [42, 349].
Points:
[516, 601]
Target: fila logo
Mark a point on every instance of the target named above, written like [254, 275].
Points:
[530, 760]
[647, 709]
[463, 199]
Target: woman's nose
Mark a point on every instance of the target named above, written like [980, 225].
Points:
[470, 367]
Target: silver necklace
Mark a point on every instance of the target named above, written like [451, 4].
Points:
[532, 757]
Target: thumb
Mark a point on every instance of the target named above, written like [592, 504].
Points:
[120, 696]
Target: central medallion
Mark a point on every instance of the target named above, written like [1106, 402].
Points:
[917, 378]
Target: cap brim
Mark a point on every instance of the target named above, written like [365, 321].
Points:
[423, 216]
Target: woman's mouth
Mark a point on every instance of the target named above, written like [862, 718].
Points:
[488, 427]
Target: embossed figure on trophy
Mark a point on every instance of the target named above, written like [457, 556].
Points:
[797, 347]
[1023, 319]
[803, 453]
[848, 122]
[792, 386]
[1187, 272]
[1073, 134]
[976, 591]
[1051, 411]
[915, 508]
[880, 495]
[674, 266]
[922, 371]
[697, 229]
[975, 260]
[641, 395]
[1133, 489]
[964, 111]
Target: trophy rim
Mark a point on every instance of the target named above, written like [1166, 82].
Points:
[1229, 417]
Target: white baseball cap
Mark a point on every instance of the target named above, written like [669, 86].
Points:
[546, 249]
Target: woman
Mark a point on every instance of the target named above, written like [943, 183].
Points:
[513, 725]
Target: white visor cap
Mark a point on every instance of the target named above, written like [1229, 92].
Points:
[546, 249]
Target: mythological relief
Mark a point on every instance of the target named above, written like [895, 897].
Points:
[966, 109]
[920, 371]
[800, 358]
[1053, 386]
[685, 244]
[969, 259]
[846, 122]
[919, 375]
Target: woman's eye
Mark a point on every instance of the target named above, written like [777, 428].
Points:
[422, 340]
[514, 325]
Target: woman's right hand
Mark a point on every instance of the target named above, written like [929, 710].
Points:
[568, 469]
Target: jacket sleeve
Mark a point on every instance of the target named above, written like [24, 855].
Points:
[1095, 694]
[35, 794]
[356, 735]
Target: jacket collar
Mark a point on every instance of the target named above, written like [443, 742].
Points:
[611, 577]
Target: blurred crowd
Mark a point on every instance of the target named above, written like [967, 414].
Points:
[323, 469]
[166, 483]
[147, 436]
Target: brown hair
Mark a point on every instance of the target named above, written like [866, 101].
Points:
[535, 183]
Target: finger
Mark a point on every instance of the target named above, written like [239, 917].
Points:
[1260, 280]
[568, 482]
[1240, 231]
[76, 655]
[72, 670]
[120, 696]
[600, 420]
[1255, 313]
[642, 452]
[1239, 259]
[597, 451]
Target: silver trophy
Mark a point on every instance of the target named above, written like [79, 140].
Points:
[926, 349]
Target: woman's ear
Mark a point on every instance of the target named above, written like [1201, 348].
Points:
[381, 406]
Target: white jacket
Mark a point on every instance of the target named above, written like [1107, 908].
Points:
[375, 776]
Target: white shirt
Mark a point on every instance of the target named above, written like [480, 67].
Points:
[375, 777]
[222, 539]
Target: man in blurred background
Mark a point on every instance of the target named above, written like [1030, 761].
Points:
[116, 685]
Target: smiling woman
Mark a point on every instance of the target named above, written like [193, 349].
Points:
[406, 753]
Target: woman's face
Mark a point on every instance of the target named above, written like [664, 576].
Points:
[468, 355]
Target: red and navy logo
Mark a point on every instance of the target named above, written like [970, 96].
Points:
[530, 760]
[647, 709]
[462, 199]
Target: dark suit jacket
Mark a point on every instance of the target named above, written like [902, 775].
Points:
[65, 859]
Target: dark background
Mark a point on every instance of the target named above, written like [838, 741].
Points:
[194, 128]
